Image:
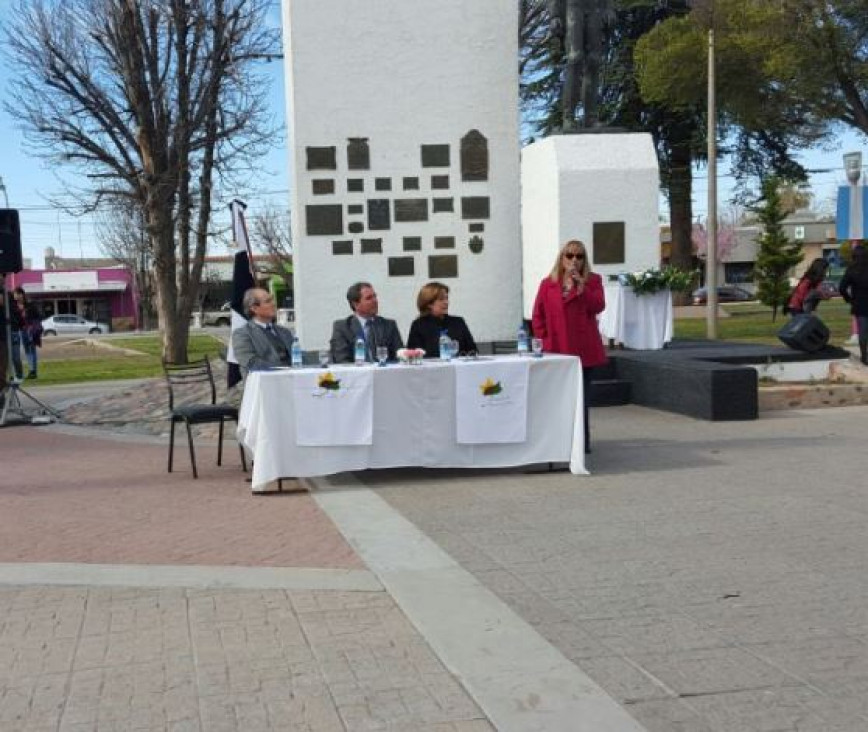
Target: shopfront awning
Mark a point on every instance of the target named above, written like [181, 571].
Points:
[38, 288]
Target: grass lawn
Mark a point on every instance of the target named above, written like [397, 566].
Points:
[69, 363]
[752, 322]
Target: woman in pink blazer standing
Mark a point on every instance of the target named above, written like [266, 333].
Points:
[565, 314]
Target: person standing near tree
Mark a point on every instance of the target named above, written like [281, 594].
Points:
[854, 290]
[16, 327]
[31, 332]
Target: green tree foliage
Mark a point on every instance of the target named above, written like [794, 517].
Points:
[777, 254]
[760, 121]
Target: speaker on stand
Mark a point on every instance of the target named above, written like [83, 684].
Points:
[11, 260]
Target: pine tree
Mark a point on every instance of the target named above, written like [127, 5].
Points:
[777, 254]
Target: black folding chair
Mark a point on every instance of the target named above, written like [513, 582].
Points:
[187, 379]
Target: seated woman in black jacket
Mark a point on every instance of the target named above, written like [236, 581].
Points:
[434, 318]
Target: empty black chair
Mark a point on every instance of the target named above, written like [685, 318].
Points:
[189, 378]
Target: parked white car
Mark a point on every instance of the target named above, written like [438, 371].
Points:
[69, 324]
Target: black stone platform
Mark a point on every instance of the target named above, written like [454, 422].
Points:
[704, 379]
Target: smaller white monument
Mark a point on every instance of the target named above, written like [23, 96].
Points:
[599, 188]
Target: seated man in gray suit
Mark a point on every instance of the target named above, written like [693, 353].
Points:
[260, 343]
[364, 323]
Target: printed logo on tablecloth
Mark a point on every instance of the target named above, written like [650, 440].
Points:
[491, 402]
[490, 387]
[327, 383]
[332, 411]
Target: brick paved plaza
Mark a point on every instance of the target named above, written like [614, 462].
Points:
[707, 577]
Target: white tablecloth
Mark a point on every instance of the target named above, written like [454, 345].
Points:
[643, 322]
[413, 423]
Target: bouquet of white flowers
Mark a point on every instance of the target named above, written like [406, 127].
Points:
[654, 280]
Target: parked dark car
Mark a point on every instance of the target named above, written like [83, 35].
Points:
[725, 293]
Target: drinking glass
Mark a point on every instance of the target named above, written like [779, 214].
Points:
[537, 346]
[453, 348]
[324, 358]
[382, 355]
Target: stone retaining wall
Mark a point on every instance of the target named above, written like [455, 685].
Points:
[811, 396]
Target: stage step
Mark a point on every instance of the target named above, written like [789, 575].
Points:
[610, 393]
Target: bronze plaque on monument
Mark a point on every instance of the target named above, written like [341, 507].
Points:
[435, 156]
[378, 214]
[324, 220]
[608, 242]
[474, 156]
[321, 158]
[323, 186]
[475, 207]
[441, 266]
[411, 209]
[401, 267]
[358, 154]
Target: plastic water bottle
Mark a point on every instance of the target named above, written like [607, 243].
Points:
[360, 352]
[295, 355]
[521, 339]
[445, 346]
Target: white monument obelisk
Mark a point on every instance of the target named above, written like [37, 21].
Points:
[403, 117]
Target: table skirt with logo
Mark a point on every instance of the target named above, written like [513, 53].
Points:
[413, 422]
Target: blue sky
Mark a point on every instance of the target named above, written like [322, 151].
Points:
[29, 183]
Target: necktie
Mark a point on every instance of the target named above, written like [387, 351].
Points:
[276, 342]
[369, 339]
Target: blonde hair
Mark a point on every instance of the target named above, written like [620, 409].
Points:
[428, 295]
[557, 273]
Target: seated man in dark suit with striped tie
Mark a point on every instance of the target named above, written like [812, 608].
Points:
[366, 324]
[260, 343]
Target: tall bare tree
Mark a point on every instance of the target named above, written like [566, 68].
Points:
[122, 235]
[150, 100]
[272, 235]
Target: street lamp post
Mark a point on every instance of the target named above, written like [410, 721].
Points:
[5, 194]
[855, 231]
[711, 242]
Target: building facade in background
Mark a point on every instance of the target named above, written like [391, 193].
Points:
[104, 294]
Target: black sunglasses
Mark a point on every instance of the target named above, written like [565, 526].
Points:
[570, 255]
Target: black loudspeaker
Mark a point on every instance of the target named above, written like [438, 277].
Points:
[10, 241]
[805, 333]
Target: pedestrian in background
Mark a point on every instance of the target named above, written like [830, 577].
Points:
[854, 290]
[31, 331]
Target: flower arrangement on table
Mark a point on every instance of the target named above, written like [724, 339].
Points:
[411, 355]
[655, 280]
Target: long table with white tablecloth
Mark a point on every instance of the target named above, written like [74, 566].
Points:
[412, 422]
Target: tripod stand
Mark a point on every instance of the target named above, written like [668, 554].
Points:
[10, 395]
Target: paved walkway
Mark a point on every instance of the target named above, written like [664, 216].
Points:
[708, 577]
